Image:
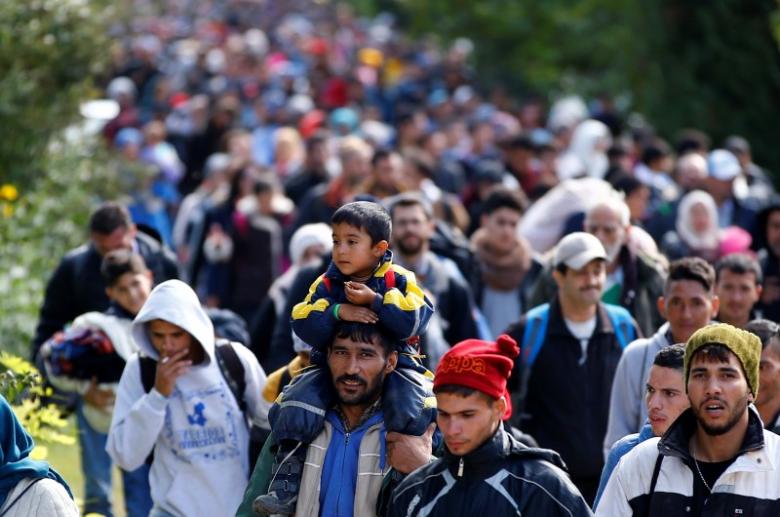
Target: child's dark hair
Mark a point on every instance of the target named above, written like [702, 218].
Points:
[368, 216]
[118, 262]
[366, 333]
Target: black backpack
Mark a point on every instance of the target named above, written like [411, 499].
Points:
[232, 370]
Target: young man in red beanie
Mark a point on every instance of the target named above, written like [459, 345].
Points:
[483, 465]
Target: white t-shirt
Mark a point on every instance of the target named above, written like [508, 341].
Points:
[582, 330]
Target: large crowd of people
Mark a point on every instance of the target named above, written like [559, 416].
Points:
[334, 237]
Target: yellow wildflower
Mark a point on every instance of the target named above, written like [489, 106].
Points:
[9, 192]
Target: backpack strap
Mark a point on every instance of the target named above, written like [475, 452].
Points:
[148, 368]
[18, 497]
[285, 379]
[534, 333]
[148, 372]
[622, 323]
[390, 279]
[232, 369]
[654, 481]
[533, 339]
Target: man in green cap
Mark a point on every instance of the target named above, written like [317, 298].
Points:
[716, 458]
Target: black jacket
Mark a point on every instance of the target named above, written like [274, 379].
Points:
[280, 348]
[502, 477]
[451, 296]
[567, 404]
[77, 287]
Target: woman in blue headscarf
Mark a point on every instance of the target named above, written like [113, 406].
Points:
[28, 488]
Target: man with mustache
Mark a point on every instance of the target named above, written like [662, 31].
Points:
[345, 464]
[716, 458]
[634, 280]
[566, 384]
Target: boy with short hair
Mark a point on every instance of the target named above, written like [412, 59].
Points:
[95, 378]
[364, 286]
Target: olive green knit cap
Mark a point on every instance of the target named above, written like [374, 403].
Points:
[745, 345]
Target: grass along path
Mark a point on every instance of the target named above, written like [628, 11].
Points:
[66, 459]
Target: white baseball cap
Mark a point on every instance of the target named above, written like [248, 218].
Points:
[577, 249]
[723, 165]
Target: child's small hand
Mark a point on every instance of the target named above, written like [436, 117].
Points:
[349, 312]
[359, 294]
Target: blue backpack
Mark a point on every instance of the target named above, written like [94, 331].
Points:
[536, 330]
[535, 333]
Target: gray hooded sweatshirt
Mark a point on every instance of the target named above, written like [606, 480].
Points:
[627, 409]
[199, 435]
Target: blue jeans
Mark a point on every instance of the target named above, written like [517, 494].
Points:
[138, 495]
[96, 466]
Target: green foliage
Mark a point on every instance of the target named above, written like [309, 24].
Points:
[716, 68]
[547, 46]
[49, 51]
[710, 65]
[39, 226]
[21, 384]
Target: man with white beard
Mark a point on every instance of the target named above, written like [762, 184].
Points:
[634, 280]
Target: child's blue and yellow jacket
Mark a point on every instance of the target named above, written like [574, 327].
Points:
[400, 303]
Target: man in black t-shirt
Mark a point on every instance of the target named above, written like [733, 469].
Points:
[716, 458]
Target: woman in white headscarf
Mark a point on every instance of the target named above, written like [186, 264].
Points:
[697, 232]
[587, 152]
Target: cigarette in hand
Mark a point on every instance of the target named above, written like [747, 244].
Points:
[165, 360]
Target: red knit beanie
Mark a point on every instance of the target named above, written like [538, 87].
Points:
[482, 365]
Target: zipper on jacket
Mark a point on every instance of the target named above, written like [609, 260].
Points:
[346, 438]
[460, 468]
